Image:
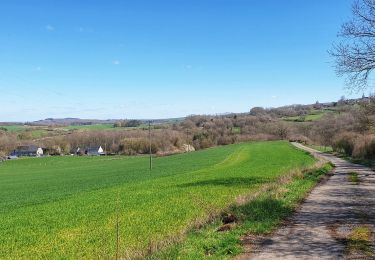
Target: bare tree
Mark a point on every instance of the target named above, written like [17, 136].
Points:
[355, 54]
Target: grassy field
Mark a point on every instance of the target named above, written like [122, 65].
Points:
[31, 132]
[312, 116]
[13, 128]
[90, 207]
[89, 127]
[42, 131]
[259, 216]
[20, 128]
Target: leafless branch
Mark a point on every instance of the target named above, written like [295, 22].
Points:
[355, 54]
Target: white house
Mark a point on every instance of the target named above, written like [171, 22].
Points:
[95, 150]
[29, 150]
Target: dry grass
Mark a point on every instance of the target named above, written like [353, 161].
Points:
[359, 242]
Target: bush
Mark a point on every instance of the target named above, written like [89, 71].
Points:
[137, 146]
[224, 140]
[344, 143]
[2, 156]
[133, 123]
[299, 139]
[364, 147]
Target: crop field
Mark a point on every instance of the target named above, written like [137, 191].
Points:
[89, 127]
[20, 128]
[13, 128]
[72, 207]
[42, 131]
[312, 116]
[98, 127]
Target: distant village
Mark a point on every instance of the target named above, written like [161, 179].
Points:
[35, 151]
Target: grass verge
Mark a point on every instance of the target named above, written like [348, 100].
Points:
[353, 178]
[260, 214]
[359, 241]
[321, 148]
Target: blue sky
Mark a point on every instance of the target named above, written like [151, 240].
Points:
[159, 58]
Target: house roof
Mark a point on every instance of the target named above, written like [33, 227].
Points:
[93, 149]
[27, 148]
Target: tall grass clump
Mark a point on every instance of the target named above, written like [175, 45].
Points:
[355, 145]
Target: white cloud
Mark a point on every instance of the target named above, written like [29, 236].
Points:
[49, 28]
[85, 29]
[273, 97]
[116, 62]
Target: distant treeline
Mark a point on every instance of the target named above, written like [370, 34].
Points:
[346, 126]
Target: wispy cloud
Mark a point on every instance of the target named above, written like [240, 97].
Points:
[188, 67]
[116, 62]
[273, 97]
[85, 30]
[49, 28]
[38, 68]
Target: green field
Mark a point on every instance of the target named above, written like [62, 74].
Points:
[41, 131]
[259, 216]
[312, 116]
[89, 127]
[13, 128]
[71, 207]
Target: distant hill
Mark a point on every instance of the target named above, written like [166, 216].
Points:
[71, 121]
[78, 121]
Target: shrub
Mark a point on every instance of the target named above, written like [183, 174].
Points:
[137, 146]
[133, 123]
[344, 143]
[2, 156]
[299, 138]
[364, 147]
[224, 140]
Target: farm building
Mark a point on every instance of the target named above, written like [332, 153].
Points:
[95, 150]
[77, 151]
[28, 150]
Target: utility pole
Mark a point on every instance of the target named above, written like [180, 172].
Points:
[149, 136]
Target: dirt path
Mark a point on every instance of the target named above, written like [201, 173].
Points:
[320, 228]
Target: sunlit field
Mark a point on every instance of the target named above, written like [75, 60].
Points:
[102, 206]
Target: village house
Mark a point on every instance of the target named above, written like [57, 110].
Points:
[94, 151]
[27, 150]
[77, 151]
